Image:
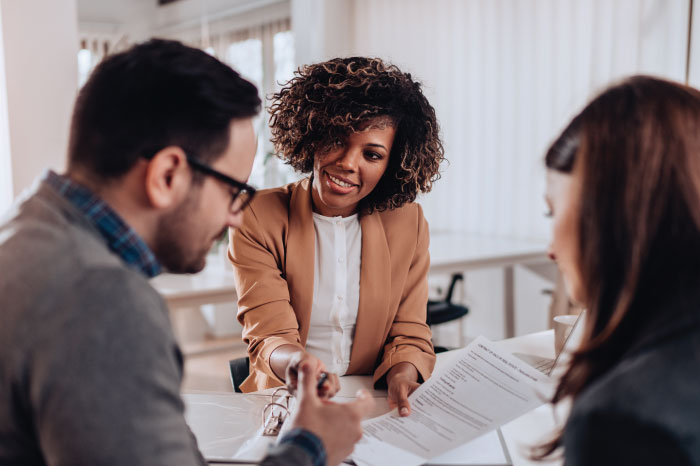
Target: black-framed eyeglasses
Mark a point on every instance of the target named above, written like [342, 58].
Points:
[241, 193]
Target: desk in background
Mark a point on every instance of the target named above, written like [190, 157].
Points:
[222, 422]
[457, 252]
[449, 252]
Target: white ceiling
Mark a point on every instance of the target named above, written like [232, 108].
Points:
[112, 11]
[139, 19]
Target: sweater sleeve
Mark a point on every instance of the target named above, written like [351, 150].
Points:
[297, 448]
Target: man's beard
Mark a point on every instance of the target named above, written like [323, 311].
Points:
[177, 240]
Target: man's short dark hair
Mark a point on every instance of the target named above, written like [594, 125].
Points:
[156, 94]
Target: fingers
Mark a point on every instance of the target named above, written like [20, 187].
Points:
[398, 396]
[363, 405]
[292, 372]
[404, 406]
[306, 385]
[330, 387]
[292, 379]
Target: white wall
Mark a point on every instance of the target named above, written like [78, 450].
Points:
[40, 45]
[694, 58]
[504, 77]
[5, 161]
[322, 29]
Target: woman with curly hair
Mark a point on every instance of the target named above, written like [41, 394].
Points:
[333, 268]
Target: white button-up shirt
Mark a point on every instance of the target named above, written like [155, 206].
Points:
[336, 290]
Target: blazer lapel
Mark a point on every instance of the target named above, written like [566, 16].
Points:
[375, 292]
[300, 256]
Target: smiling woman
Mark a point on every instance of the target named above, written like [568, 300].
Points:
[333, 269]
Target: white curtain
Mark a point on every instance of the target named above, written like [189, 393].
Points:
[263, 54]
[504, 77]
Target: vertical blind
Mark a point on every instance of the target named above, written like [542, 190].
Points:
[504, 77]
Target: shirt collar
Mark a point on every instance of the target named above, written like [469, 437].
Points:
[121, 238]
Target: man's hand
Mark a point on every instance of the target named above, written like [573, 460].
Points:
[327, 390]
[402, 380]
[336, 424]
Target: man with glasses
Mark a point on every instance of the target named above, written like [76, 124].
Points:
[160, 148]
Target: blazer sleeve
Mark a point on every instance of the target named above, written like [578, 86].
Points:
[409, 337]
[604, 437]
[264, 307]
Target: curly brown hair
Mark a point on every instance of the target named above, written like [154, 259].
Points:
[327, 101]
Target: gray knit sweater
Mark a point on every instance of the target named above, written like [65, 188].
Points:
[89, 368]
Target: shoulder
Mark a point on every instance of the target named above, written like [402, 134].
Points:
[63, 272]
[273, 197]
[407, 216]
[653, 393]
[273, 205]
[44, 234]
[404, 225]
[640, 379]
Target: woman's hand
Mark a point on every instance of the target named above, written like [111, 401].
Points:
[330, 386]
[402, 380]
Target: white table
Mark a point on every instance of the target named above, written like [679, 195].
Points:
[449, 253]
[221, 422]
[213, 285]
[456, 252]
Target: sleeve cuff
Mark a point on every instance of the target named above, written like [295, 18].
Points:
[424, 362]
[309, 443]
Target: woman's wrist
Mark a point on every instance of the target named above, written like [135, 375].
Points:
[281, 357]
[403, 370]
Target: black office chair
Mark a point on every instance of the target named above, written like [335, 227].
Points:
[240, 369]
[443, 311]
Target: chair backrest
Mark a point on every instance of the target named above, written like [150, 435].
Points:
[454, 279]
[240, 369]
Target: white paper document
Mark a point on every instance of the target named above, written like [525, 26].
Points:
[481, 389]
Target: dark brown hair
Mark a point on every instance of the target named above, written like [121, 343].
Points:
[156, 94]
[327, 101]
[636, 149]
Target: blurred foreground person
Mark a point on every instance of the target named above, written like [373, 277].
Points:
[623, 186]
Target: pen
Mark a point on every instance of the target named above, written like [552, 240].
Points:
[322, 380]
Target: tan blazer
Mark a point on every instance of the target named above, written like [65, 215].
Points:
[273, 257]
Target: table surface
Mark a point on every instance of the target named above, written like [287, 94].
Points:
[464, 251]
[221, 420]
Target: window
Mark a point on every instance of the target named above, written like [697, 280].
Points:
[250, 52]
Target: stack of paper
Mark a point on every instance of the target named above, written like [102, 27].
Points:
[481, 389]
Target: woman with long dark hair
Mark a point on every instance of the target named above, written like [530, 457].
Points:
[623, 186]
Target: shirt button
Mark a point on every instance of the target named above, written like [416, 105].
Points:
[340, 298]
[338, 361]
[340, 259]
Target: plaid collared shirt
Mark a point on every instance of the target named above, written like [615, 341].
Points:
[121, 239]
